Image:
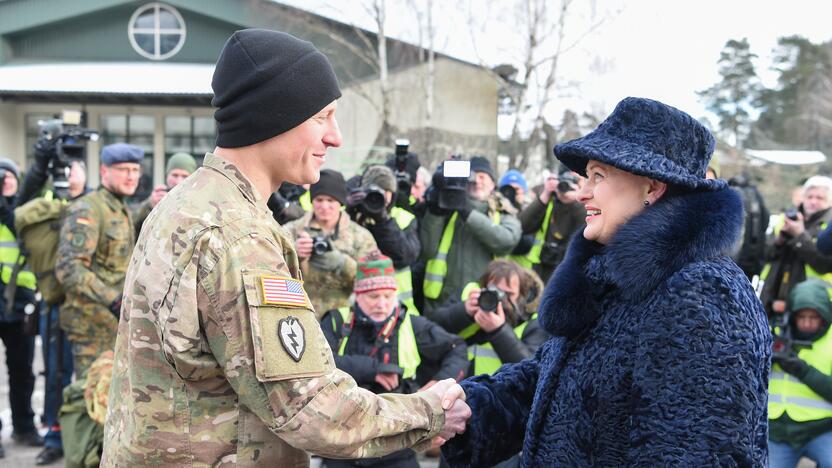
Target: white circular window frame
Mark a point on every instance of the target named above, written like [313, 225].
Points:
[156, 31]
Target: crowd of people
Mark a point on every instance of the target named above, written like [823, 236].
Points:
[258, 308]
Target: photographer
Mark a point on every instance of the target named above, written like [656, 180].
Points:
[289, 202]
[552, 217]
[386, 348]
[467, 224]
[405, 166]
[19, 344]
[514, 187]
[394, 229]
[792, 254]
[800, 384]
[178, 168]
[328, 244]
[497, 316]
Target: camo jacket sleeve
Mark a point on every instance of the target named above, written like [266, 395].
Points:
[291, 383]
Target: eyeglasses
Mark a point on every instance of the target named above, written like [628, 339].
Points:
[126, 170]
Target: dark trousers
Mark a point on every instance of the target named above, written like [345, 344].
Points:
[56, 348]
[20, 351]
[402, 459]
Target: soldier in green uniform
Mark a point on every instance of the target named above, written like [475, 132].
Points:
[97, 238]
[329, 274]
[219, 359]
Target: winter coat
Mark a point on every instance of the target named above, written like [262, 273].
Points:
[477, 240]
[660, 356]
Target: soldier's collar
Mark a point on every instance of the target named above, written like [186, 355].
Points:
[232, 173]
[113, 201]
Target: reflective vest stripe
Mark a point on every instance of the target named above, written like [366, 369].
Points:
[437, 268]
[305, 201]
[10, 257]
[539, 238]
[787, 394]
[485, 358]
[404, 279]
[408, 351]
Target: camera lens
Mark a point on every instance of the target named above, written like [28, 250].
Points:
[320, 245]
[374, 202]
[488, 300]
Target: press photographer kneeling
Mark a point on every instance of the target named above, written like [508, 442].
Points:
[800, 383]
[394, 229]
[497, 316]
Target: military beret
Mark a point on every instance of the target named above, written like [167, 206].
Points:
[121, 153]
[7, 164]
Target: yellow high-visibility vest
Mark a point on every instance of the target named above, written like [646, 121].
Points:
[787, 394]
[10, 257]
[408, 351]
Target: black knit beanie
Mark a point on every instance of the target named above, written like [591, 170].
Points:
[331, 183]
[268, 82]
[481, 164]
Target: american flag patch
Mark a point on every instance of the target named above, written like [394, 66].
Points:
[278, 290]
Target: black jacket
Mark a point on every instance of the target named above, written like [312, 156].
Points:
[453, 318]
[566, 219]
[443, 355]
[401, 245]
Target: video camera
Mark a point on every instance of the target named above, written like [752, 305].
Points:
[403, 181]
[369, 200]
[783, 343]
[490, 298]
[70, 145]
[453, 192]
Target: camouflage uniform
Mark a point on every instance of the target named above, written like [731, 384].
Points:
[330, 290]
[201, 375]
[97, 238]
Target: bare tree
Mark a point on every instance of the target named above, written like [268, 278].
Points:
[543, 39]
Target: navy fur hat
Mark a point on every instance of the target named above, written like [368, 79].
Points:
[121, 153]
[647, 138]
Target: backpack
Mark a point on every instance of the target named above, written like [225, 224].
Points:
[38, 225]
[751, 254]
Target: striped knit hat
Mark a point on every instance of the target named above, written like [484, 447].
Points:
[375, 271]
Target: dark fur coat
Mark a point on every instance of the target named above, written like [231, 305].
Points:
[660, 354]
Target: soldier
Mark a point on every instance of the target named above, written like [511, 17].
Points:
[97, 238]
[329, 243]
[220, 360]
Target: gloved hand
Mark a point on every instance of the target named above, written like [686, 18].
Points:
[115, 306]
[466, 210]
[45, 150]
[328, 261]
[792, 364]
[432, 201]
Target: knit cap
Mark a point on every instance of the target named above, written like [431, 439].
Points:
[331, 183]
[381, 176]
[7, 164]
[266, 83]
[182, 161]
[481, 164]
[374, 272]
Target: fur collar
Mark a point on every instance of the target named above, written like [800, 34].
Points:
[644, 252]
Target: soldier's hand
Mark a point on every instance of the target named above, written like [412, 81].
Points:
[388, 381]
[329, 261]
[471, 304]
[303, 245]
[428, 385]
[158, 194]
[457, 411]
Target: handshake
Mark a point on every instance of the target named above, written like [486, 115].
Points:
[451, 396]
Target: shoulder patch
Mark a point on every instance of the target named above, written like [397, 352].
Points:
[283, 291]
[292, 336]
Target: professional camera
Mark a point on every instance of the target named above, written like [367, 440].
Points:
[552, 253]
[291, 192]
[783, 344]
[791, 213]
[453, 190]
[403, 181]
[567, 182]
[510, 193]
[490, 298]
[70, 145]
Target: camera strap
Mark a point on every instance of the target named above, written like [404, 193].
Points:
[382, 337]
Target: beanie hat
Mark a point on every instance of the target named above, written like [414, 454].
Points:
[381, 176]
[182, 161]
[331, 183]
[513, 177]
[375, 271]
[7, 164]
[121, 153]
[268, 82]
[647, 138]
[480, 164]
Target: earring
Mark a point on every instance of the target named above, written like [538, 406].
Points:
[646, 203]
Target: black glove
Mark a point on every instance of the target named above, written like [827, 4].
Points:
[115, 306]
[792, 364]
[45, 150]
[432, 201]
[466, 210]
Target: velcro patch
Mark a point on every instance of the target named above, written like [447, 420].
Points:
[283, 291]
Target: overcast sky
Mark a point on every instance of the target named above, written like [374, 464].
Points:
[662, 49]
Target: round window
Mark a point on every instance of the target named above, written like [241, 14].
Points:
[156, 31]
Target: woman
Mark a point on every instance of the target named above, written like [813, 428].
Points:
[661, 350]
